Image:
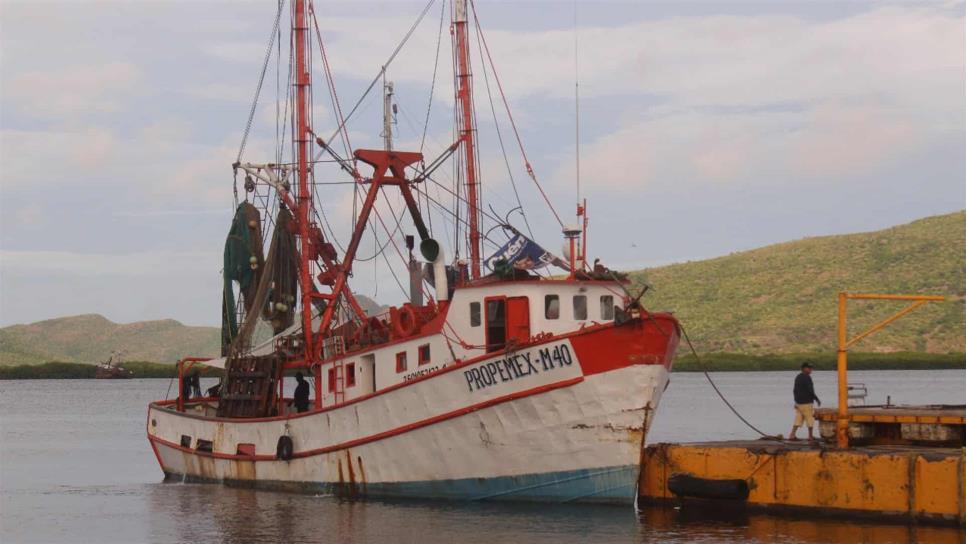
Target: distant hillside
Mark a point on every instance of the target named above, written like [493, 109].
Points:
[776, 299]
[782, 298]
[91, 338]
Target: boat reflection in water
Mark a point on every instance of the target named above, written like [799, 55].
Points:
[245, 515]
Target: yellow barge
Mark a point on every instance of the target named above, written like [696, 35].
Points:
[905, 462]
[916, 483]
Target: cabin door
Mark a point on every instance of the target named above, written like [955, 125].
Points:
[517, 320]
[507, 322]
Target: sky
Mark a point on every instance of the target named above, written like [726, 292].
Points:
[706, 128]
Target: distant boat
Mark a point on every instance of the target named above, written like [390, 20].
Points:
[111, 369]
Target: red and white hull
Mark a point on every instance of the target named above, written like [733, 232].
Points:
[559, 420]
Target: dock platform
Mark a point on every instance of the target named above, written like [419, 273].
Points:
[941, 425]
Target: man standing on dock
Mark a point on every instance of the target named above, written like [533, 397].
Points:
[804, 394]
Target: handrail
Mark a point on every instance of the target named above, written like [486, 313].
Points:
[842, 424]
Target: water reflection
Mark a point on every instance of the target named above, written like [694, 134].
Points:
[210, 513]
[716, 524]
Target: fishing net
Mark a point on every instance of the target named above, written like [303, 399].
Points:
[243, 263]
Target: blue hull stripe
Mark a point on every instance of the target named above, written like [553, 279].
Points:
[600, 485]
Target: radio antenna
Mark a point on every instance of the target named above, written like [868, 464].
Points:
[577, 101]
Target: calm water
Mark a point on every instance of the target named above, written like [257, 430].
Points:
[75, 466]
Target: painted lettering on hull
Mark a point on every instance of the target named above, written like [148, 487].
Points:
[518, 365]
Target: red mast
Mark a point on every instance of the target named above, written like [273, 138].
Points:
[464, 96]
[303, 139]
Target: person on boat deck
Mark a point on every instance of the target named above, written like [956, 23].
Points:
[195, 384]
[301, 393]
[191, 385]
[804, 393]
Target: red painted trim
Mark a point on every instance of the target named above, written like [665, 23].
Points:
[214, 455]
[147, 431]
[448, 368]
[385, 434]
[536, 281]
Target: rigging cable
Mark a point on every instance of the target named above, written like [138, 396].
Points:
[330, 84]
[499, 136]
[429, 104]
[382, 70]
[704, 370]
[513, 124]
[261, 80]
[432, 86]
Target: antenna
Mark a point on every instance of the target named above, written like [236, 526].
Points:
[581, 245]
[388, 111]
[577, 102]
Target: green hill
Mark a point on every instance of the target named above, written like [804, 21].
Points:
[772, 300]
[91, 338]
[782, 298]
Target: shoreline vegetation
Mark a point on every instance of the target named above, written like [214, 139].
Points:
[713, 362]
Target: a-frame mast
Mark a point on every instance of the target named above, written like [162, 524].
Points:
[464, 98]
[303, 139]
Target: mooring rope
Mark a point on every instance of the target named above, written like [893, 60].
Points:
[704, 370]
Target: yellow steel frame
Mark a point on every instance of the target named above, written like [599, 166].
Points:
[842, 425]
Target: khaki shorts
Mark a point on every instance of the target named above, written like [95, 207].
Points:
[804, 413]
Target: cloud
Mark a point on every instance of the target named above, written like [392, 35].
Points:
[227, 92]
[57, 156]
[73, 91]
[823, 142]
[772, 98]
[236, 51]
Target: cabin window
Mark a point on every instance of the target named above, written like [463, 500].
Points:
[401, 361]
[551, 307]
[474, 314]
[350, 375]
[607, 307]
[580, 307]
[185, 441]
[203, 445]
[247, 450]
[424, 354]
[332, 380]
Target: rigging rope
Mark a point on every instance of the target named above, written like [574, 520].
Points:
[382, 70]
[330, 83]
[499, 136]
[261, 80]
[704, 370]
[506, 105]
[432, 86]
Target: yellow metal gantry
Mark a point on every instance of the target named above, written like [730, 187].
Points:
[842, 425]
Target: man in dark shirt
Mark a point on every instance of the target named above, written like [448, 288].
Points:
[301, 393]
[804, 394]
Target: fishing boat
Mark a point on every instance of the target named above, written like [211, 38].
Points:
[111, 369]
[519, 375]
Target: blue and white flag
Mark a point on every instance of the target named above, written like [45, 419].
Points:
[524, 254]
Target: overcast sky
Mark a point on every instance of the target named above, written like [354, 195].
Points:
[706, 128]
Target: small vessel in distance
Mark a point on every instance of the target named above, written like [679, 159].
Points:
[495, 381]
[111, 369]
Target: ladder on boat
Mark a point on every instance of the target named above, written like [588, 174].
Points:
[334, 346]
